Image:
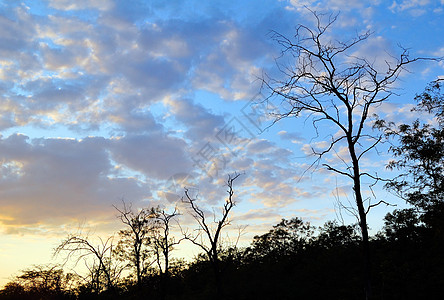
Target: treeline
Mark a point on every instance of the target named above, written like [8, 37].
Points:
[293, 260]
[288, 262]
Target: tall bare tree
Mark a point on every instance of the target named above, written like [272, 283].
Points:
[327, 84]
[136, 238]
[209, 232]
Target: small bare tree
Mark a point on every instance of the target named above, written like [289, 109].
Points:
[329, 85]
[80, 248]
[209, 233]
[163, 243]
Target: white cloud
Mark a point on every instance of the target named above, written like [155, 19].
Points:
[408, 4]
[351, 14]
[229, 70]
[81, 5]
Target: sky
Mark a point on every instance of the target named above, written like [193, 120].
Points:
[107, 100]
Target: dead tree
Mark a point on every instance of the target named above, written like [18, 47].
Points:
[162, 242]
[135, 240]
[330, 86]
[208, 237]
[79, 248]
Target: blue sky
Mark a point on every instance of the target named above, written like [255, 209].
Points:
[103, 100]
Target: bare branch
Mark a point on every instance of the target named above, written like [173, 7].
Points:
[211, 245]
[339, 90]
[376, 204]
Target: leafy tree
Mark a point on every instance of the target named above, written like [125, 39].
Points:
[286, 238]
[419, 153]
[419, 156]
[416, 232]
[403, 225]
[41, 282]
[13, 290]
[333, 235]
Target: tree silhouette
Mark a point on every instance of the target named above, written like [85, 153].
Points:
[329, 85]
[420, 153]
[163, 243]
[104, 270]
[41, 282]
[333, 235]
[286, 238]
[208, 237]
[135, 241]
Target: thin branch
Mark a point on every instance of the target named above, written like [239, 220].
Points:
[376, 204]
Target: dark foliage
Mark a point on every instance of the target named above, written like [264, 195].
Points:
[420, 153]
[293, 260]
[41, 282]
[288, 262]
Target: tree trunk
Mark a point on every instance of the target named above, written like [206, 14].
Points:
[362, 221]
[164, 276]
[217, 276]
[139, 277]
